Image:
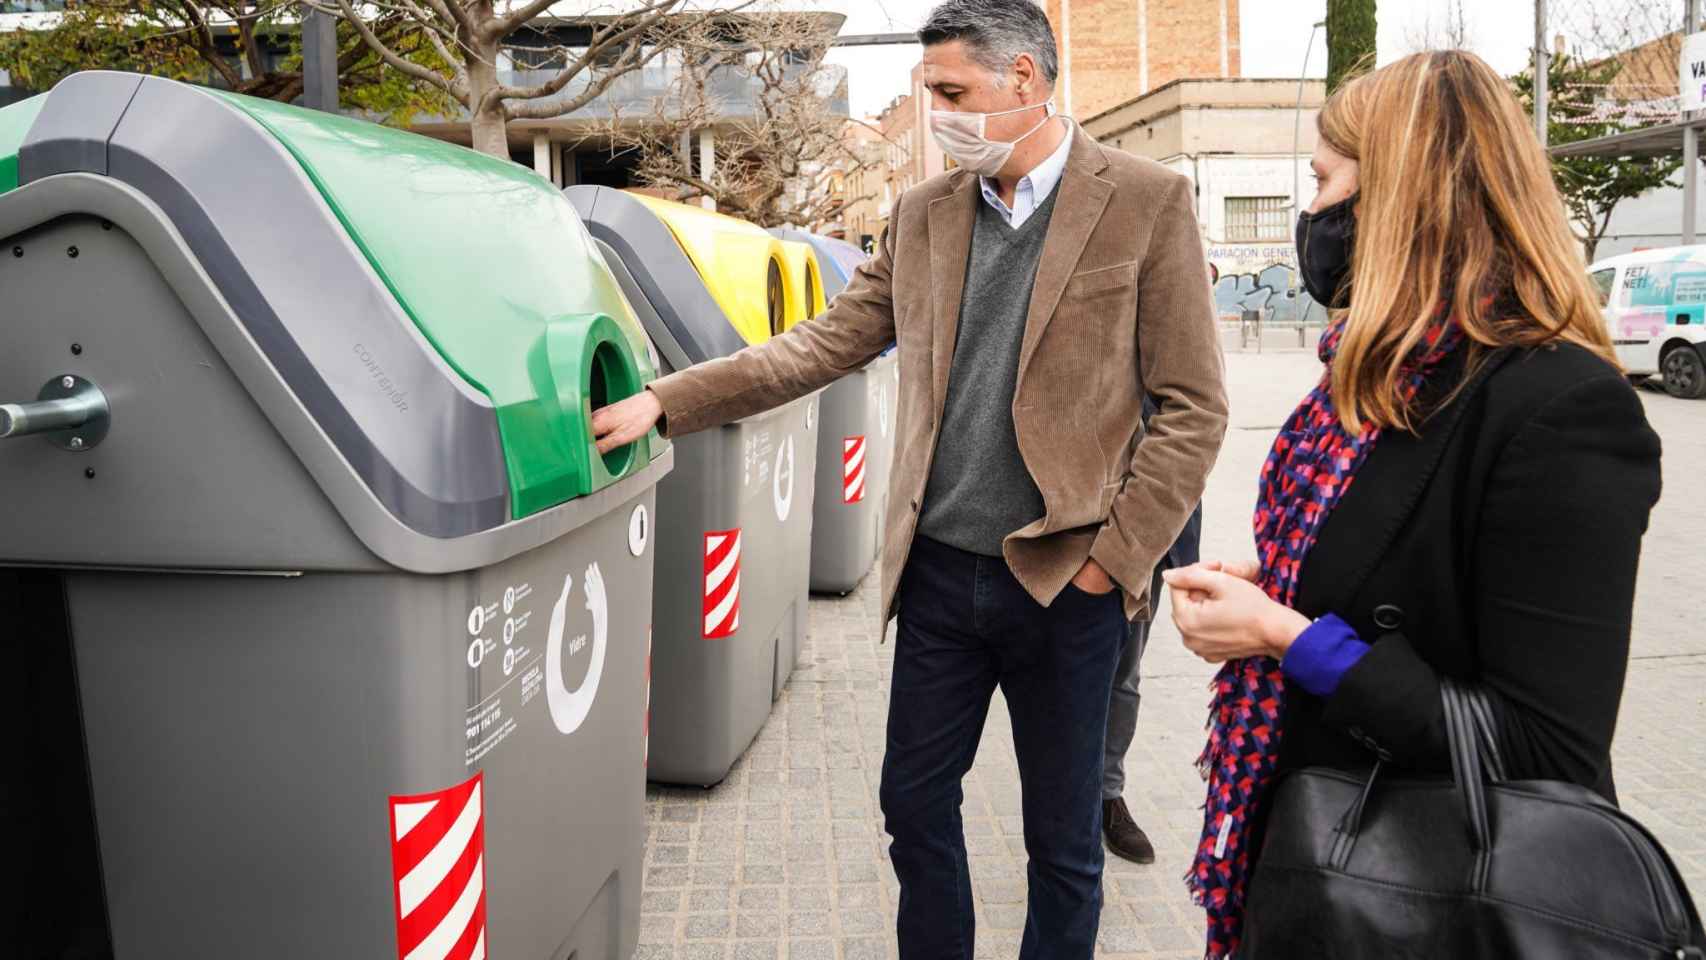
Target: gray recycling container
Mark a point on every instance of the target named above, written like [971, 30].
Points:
[334, 601]
[854, 452]
[734, 518]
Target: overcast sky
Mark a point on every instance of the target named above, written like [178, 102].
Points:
[1275, 37]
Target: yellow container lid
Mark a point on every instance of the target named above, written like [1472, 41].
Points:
[806, 279]
[745, 269]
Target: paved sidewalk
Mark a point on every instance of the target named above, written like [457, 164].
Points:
[787, 859]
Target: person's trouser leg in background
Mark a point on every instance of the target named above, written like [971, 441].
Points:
[1125, 838]
[966, 625]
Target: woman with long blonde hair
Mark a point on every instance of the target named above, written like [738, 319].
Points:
[1461, 499]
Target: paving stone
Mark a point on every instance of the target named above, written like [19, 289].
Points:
[660, 901]
[706, 926]
[811, 898]
[708, 899]
[811, 950]
[761, 924]
[761, 898]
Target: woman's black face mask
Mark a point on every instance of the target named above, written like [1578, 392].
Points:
[1324, 241]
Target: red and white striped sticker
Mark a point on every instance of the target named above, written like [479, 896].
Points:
[722, 584]
[438, 870]
[852, 469]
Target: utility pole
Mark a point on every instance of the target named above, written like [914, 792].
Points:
[1542, 72]
[1690, 141]
[319, 59]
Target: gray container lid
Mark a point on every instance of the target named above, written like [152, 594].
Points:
[287, 272]
[693, 327]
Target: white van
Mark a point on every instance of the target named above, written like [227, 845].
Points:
[1655, 305]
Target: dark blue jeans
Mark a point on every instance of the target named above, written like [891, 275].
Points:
[967, 626]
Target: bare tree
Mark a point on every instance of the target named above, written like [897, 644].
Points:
[1613, 69]
[761, 84]
[1642, 37]
[621, 36]
[1450, 32]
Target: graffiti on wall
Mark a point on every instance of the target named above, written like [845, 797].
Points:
[1261, 277]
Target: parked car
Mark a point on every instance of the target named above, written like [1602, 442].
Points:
[1655, 304]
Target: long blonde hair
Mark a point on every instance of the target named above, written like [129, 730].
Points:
[1457, 207]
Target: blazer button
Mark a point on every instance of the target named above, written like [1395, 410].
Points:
[915, 506]
[1388, 617]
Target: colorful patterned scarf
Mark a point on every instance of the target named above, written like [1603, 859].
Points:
[1312, 464]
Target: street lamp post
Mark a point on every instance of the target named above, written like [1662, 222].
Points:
[1297, 126]
[1542, 74]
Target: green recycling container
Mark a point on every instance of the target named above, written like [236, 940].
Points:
[328, 591]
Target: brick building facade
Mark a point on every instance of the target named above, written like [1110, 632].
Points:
[1114, 50]
[905, 155]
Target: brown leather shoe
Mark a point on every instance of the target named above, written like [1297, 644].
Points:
[1125, 838]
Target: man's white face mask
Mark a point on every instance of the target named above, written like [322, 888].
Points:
[961, 136]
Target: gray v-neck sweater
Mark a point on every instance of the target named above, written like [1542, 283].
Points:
[979, 490]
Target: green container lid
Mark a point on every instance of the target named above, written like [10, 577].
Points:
[15, 122]
[500, 275]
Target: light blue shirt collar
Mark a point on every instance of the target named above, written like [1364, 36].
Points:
[1035, 187]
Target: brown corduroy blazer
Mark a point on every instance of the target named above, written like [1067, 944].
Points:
[1121, 308]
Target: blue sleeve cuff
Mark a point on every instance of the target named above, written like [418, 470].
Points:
[1321, 655]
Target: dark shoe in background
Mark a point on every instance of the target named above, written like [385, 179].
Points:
[1125, 838]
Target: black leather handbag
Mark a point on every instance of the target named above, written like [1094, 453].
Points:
[1473, 867]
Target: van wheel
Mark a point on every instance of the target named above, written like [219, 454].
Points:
[1684, 372]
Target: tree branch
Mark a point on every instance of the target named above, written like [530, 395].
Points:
[397, 62]
[246, 42]
[436, 36]
[205, 46]
[454, 14]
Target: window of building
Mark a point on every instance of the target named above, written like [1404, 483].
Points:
[1257, 219]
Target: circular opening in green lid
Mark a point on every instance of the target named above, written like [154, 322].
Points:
[612, 380]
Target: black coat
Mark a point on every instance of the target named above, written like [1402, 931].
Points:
[1499, 546]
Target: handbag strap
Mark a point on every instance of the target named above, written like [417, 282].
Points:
[1492, 759]
[1475, 760]
[1350, 823]
[1463, 737]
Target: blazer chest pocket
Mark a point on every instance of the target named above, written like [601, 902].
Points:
[1102, 286]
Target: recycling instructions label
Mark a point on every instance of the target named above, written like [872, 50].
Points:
[757, 448]
[533, 639]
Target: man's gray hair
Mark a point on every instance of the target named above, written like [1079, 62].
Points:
[995, 33]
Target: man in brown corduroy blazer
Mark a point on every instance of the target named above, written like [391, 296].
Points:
[1034, 306]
